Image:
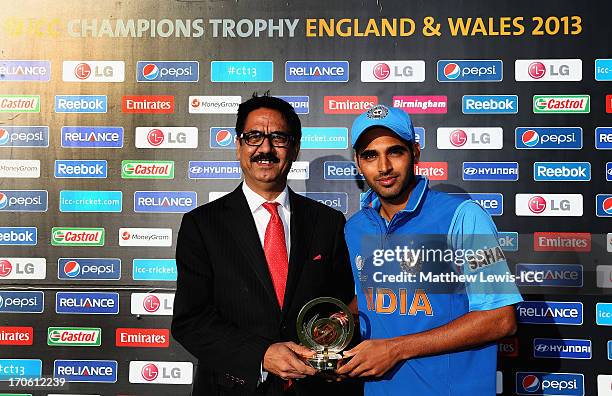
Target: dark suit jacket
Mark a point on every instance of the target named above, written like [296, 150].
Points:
[225, 309]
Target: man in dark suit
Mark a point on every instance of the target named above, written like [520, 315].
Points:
[249, 261]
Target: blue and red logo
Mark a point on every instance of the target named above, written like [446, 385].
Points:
[224, 138]
[603, 206]
[452, 71]
[150, 71]
[89, 268]
[558, 138]
[470, 70]
[4, 136]
[560, 384]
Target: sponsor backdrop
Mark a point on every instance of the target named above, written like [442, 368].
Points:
[116, 119]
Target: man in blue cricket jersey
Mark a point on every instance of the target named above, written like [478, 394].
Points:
[429, 324]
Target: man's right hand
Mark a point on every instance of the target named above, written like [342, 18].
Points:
[281, 359]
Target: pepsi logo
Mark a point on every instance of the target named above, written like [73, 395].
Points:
[458, 138]
[452, 71]
[155, 137]
[607, 205]
[72, 269]
[531, 383]
[151, 304]
[82, 71]
[536, 70]
[5, 268]
[3, 200]
[223, 137]
[537, 204]
[125, 235]
[381, 71]
[150, 71]
[4, 136]
[530, 138]
[149, 372]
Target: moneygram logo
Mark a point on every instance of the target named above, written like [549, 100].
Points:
[561, 241]
[167, 137]
[93, 71]
[603, 205]
[20, 169]
[421, 104]
[167, 71]
[22, 268]
[470, 138]
[18, 236]
[74, 336]
[25, 70]
[154, 104]
[603, 138]
[24, 136]
[539, 383]
[154, 269]
[549, 312]
[560, 205]
[316, 71]
[80, 104]
[548, 70]
[164, 201]
[145, 236]
[489, 104]
[149, 372]
[393, 71]
[23, 200]
[103, 371]
[300, 170]
[92, 137]
[561, 104]
[549, 275]
[301, 104]
[131, 169]
[555, 348]
[22, 301]
[214, 170]
[348, 104]
[553, 138]
[490, 171]
[214, 104]
[89, 268]
[493, 203]
[142, 338]
[19, 103]
[152, 303]
[470, 70]
[87, 303]
[241, 71]
[223, 138]
[68, 236]
[562, 171]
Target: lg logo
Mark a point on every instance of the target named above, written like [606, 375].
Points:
[537, 204]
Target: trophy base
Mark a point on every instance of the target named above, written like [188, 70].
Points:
[327, 362]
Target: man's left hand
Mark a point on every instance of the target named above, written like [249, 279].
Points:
[371, 358]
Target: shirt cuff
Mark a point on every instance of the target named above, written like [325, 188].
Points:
[263, 374]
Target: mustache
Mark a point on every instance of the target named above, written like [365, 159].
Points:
[265, 157]
[381, 176]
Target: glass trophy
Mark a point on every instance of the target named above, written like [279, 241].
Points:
[326, 326]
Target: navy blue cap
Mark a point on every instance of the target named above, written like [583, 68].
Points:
[396, 120]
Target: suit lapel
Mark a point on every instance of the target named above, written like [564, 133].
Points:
[301, 230]
[242, 225]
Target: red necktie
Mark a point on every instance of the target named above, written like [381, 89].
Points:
[275, 250]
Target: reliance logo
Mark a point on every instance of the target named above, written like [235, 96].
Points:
[317, 71]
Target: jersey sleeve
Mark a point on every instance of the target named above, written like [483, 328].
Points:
[473, 236]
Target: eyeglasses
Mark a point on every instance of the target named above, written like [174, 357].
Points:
[276, 139]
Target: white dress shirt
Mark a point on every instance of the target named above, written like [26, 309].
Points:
[262, 217]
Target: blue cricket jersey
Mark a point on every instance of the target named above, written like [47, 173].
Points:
[392, 305]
